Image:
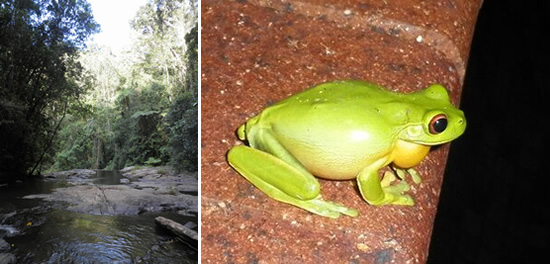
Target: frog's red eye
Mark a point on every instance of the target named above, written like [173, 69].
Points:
[438, 124]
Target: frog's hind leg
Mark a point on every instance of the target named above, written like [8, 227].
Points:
[283, 182]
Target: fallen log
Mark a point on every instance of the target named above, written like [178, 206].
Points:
[188, 235]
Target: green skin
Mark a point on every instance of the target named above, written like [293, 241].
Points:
[344, 130]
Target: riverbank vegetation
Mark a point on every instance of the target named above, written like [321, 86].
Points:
[64, 105]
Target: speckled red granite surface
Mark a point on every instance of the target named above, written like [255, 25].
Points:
[255, 53]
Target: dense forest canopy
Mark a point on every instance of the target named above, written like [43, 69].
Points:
[64, 105]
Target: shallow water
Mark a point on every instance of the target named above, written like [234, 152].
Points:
[38, 233]
[107, 177]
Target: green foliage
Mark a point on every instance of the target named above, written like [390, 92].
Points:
[153, 161]
[113, 137]
[39, 76]
[138, 131]
[183, 116]
[135, 108]
[184, 129]
[144, 114]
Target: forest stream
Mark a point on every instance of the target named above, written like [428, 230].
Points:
[68, 101]
[84, 216]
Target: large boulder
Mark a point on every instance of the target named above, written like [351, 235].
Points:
[7, 258]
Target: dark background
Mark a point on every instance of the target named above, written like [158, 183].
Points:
[494, 202]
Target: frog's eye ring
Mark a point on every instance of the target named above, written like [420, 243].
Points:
[438, 124]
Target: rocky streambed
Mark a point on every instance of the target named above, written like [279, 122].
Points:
[139, 190]
[66, 210]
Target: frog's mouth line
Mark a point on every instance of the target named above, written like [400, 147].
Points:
[428, 144]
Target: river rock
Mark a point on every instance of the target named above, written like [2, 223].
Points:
[7, 258]
[149, 189]
[4, 246]
[118, 200]
[8, 230]
[124, 181]
[74, 177]
[75, 172]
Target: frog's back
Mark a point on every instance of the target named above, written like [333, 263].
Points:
[339, 123]
[346, 91]
[334, 102]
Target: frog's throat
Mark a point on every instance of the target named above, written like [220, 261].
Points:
[407, 154]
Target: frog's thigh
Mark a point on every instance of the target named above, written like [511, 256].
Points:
[283, 182]
[272, 175]
[265, 140]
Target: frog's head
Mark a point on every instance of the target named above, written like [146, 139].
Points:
[436, 120]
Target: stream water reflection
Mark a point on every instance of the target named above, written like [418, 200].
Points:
[39, 233]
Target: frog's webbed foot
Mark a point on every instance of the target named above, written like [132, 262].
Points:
[394, 194]
[284, 180]
[382, 192]
[326, 208]
[316, 205]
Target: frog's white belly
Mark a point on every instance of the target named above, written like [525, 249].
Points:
[335, 160]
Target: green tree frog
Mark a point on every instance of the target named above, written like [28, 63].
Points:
[344, 130]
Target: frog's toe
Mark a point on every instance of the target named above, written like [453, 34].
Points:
[396, 194]
[320, 208]
[388, 178]
[399, 188]
[393, 197]
[329, 209]
[415, 175]
[348, 211]
[323, 212]
[403, 199]
[343, 210]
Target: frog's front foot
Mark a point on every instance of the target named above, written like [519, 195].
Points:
[393, 194]
[402, 173]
